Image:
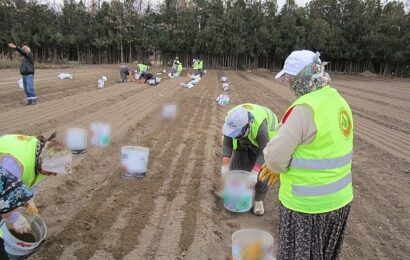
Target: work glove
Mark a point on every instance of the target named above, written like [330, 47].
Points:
[31, 208]
[266, 175]
[224, 170]
[21, 225]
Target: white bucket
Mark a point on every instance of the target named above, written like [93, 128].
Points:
[223, 100]
[224, 79]
[100, 134]
[137, 75]
[100, 83]
[17, 248]
[20, 83]
[134, 161]
[158, 79]
[252, 244]
[76, 140]
[169, 111]
[238, 194]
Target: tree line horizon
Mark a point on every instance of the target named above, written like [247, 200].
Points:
[353, 35]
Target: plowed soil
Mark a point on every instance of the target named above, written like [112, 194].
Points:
[171, 214]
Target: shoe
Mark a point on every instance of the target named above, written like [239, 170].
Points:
[258, 209]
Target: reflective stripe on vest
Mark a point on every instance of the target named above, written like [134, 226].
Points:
[323, 189]
[322, 164]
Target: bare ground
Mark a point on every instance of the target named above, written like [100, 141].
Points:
[171, 213]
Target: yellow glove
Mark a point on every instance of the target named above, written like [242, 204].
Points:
[268, 175]
[31, 208]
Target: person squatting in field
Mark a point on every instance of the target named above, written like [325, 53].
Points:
[247, 130]
[13, 194]
[30, 159]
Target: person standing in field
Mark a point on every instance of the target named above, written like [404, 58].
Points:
[312, 156]
[27, 72]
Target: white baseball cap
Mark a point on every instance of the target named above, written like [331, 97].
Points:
[296, 61]
[235, 121]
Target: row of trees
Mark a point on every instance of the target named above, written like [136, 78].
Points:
[354, 35]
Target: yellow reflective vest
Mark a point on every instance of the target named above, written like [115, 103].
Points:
[319, 179]
[259, 114]
[23, 149]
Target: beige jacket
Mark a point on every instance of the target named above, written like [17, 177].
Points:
[299, 128]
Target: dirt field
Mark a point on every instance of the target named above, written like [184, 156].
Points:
[171, 214]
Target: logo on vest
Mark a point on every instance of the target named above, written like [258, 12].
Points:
[345, 123]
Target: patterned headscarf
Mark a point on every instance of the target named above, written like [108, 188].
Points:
[53, 156]
[13, 193]
[312, 77]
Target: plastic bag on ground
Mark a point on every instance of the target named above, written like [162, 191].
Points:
[20, 83]
[65, 76]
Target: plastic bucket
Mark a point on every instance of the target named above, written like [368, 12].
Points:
[134, 161]
[158, 79]
[238, 194]
[76, 140]
[136, 75]
[223, 100]
[252, 244]
[17, 248]
[100, 83]
[169, 111]
[100, 134]
[224, 79]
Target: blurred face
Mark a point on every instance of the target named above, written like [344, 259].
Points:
[26, 49]
[286, 79]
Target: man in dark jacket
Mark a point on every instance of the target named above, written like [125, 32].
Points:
[27, 72]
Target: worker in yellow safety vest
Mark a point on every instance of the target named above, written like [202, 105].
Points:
[13, 194]
[247, 130]
[196, 67]
[142, 68]
[30, 159]
[312, 156]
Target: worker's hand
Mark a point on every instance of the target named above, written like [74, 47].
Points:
[21, 225]
[266, 175]
[224, 170]
[11, 45]
[31, 208]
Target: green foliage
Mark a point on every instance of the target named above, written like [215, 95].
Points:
[353, 34]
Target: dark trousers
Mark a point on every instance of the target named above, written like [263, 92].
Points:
[244, 159]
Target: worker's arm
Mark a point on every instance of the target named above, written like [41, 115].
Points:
[226, 154]
[262, 139]
[297, 127]
[12, 166]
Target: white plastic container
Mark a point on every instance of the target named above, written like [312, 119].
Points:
[100, 134]
[20, 83]
[238, 193]
[17, 248]
[169, 111]
[244, 239]
[100, 83]
[137, 75]
[76, 140]
[134, 161]
[224, 79]
[158, 80]
[151, 82]
[223, 100]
